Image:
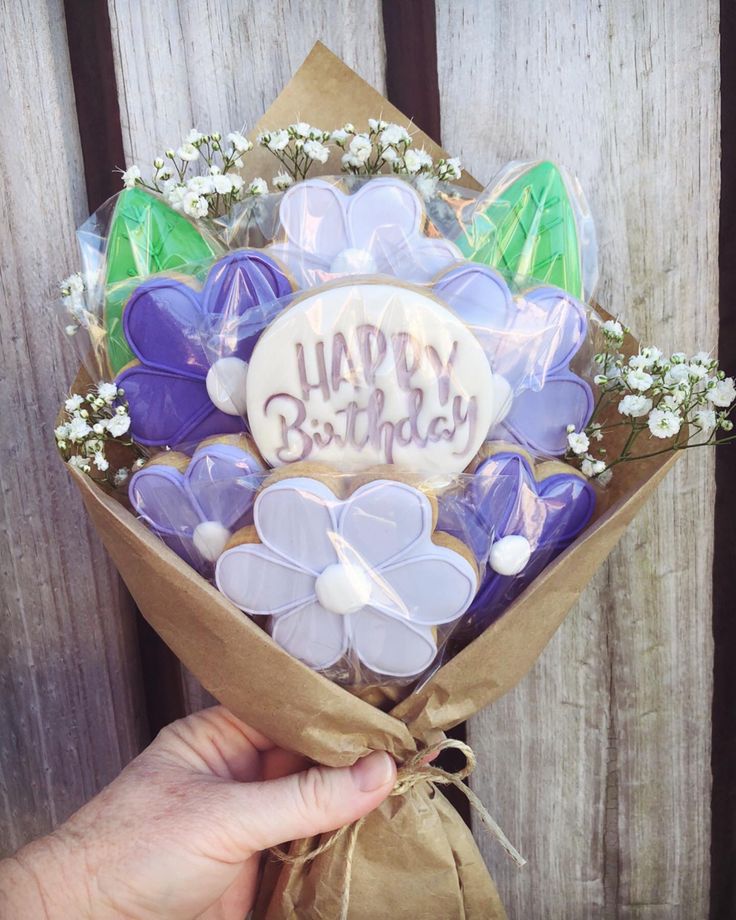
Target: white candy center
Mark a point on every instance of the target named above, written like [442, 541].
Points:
[353, 262]
[226, 381]
[343, 588]
[210, 538]
[510, 554]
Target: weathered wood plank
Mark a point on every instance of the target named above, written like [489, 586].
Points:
[222, 65]
[70, 704]
[625, 95]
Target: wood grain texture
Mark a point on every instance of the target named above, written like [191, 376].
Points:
[70, 706]
[598, 764]
[221, 66]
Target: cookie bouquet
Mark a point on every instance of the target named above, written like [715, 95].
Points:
[330, 458]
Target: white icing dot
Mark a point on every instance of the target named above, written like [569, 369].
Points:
[510, 554]
[353, 262]
[343, 588]
[210, 538]
[226, 381]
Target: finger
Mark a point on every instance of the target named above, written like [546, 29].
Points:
[312, 802]
[278, 763]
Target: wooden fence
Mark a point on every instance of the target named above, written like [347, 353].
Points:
[598, 764]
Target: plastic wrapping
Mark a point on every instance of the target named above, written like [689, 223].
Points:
[345, 413]
[366, 576]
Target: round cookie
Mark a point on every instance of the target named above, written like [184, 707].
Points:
[363, 373]
[364, 577]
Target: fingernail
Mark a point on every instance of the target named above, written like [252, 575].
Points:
[373, 771]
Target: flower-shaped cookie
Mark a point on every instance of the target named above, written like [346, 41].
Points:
[360, 576]
[376, 230]
[530, 340]
[194, 504]
[176, 394]
[516, 517]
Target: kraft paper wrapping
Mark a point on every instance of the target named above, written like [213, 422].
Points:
[414, 857]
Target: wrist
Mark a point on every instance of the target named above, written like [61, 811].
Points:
[41, 881]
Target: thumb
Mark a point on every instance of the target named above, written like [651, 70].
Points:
[313, 802]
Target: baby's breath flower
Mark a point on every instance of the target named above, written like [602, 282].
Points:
[74, 402]
[635, 406]
[78, 429]
[240, 142]
[578, 442]
[101, 461]
[131, 176]
[613, 331]
[705, 418]
[426, 186]
[316, 151]
[195, 205]
[107, 391]
[258, 187]
[723, 393]
[664, 423]
[119, 424]
[281, 181]
[591, 467]
[188, 152]
[417, 161]
[120, 476]
[394, 135]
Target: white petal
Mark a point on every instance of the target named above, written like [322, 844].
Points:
[433, 588]
[259, 581]
[391, 647]
[308, 269]
[312, 635]
[295, 518]
[384, 519]
[313, 216]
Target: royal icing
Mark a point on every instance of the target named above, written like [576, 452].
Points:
[176, 394]
[376, 230]
[516, 517]
[365, 373]
[195, 506]
[530, 339]
[358, 578]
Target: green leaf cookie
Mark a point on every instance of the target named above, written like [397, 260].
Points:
[146, 236]
[529, 231]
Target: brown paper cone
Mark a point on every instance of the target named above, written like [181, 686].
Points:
[413, 857]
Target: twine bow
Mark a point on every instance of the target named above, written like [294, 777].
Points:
[414, 771]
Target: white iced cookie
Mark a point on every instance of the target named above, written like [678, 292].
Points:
[364, 373]
[364, 577]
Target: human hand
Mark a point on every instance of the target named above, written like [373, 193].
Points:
[178, 834]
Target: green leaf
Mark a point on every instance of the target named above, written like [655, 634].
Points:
[529, 231]
[146, 236]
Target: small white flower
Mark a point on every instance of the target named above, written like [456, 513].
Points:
[118, 425]
[705, 358]
[74, 285]
[578, 442]
[175, 194]
[706, 419]
[605, 477]
[223, 185]
[140, 462]
[339, 137]
[613, 330]
[417, 160]
[426, 186]
[239, 141]
[663, 423]
[258, 187]
[375, 124]
[394, 135]
[78, 429]
[188, 152]
[101, 461]
[723, 393]
[360, 148]
[277, 141]
[78, 463]
[678, 373]
[61, 433]
[73, 403]
[639, 380]
[282, 181]
[596, 431]
[316, 151]
[194, 137]
[635, 406]
[120, 476]
[452, 168]
[301, 129]
[199, 185]
[591, 467]
[131, 176]
[99, 428]
[389, 155]
[672, 401]
[600, 380]
[195, 205]
[107, 391]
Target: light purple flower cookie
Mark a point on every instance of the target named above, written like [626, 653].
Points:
[359, 578]
[377, 230]
[195, 504]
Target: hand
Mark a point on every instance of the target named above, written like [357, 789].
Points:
[178, 833]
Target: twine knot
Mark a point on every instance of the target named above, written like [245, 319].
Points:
[418, 769]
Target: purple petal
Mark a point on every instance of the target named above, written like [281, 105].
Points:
[164, 325]
[223, 481]
[481, 298]
[158, 494]
[241, 281]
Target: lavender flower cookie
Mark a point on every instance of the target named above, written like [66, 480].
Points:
[377, 230]
[530, 339]
[364, 578]
[195, 503]
[176, 394]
